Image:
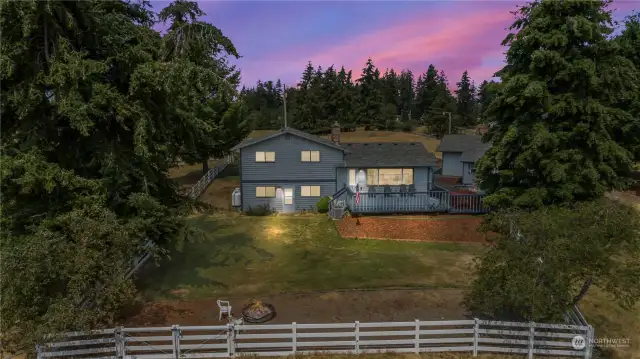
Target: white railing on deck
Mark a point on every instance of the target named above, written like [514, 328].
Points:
[228, 341]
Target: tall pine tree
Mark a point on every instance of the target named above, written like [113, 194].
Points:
[555, 135]
[466, 101]
[370, 99]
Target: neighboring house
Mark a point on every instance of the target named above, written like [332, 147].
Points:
[291, 170]
[460, 154]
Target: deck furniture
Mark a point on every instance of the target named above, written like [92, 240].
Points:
[225, 308]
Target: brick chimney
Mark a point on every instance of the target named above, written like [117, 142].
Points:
[335, 133]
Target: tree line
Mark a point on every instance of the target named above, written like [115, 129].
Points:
[374, 100]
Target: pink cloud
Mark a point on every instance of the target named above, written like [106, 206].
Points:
[455, 38]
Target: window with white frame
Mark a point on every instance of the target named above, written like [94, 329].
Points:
[288, 196]
[265, 156]
[389, 176]
[265, 192]
[310, 191]
[472, 168]
[310, 156]
[353, 180]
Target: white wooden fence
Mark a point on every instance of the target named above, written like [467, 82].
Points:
[228, 341]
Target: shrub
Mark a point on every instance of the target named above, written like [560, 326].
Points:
[323, 205]
[261, 210]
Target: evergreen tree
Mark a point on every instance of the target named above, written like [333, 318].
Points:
[407, 95]
[427, 90]
[466, 101]
[628, 132]
[204, 45]
[96, 108]
[369, 110]
[303, 116]
[555, 135]
[344, 100]
[487, 92]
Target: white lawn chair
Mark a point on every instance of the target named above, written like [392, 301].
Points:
[225, 308]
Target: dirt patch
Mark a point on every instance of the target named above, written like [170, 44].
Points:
[218, 194]
[365, 306]
[463, 229]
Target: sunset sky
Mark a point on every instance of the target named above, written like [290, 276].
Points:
[277, 38]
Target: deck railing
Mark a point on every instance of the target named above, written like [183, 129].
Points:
[227, 341]
[415, 202]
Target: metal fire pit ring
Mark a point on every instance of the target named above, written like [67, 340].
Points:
[249, 318]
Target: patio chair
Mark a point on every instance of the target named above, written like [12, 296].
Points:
[387, 191]
[403, 190]
[412, 190]
[225, 308]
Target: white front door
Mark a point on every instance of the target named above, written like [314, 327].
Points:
[287, 201]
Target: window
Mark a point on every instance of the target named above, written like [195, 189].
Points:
[265, 192]
[310, 156]
[472, 168]
[310, 191]
[372, 176]
[288, 196]
[389, 176]
[352, 177]
[265, 156]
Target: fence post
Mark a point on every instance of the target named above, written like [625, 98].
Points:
[231, 340]
[38, 351]
[120, 342]
[476, 334]
[295, 337]
[357, 332]
[588, 349]
[175, 335]
[417, 337]
[531, 339]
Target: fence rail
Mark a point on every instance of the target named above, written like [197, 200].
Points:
[228, 341]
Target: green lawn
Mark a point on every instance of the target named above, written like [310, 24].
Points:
[259, 255]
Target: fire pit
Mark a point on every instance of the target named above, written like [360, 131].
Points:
[258, 312]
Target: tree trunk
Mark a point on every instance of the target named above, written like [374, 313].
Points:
[583, 291]
[205, 166]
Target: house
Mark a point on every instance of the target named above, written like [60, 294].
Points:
[290, 170]
[459, 156]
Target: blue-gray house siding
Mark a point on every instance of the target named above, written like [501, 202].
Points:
[451, 165]
[288, 171]
[468, 177]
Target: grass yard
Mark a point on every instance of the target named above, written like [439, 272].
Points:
[241, 255]
[612, 321]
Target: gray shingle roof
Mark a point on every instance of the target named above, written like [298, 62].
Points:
[293, 131]
[388, 154]
[471, 146]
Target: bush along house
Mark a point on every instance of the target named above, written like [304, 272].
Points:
[290, 171]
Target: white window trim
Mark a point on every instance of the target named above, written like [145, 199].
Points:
[261, 156]
[310, 188]
[288, 200]
[310, 156]
[265, 191]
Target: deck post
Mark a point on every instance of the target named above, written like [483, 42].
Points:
[120, 343]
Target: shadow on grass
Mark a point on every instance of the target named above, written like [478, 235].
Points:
[220, 246]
